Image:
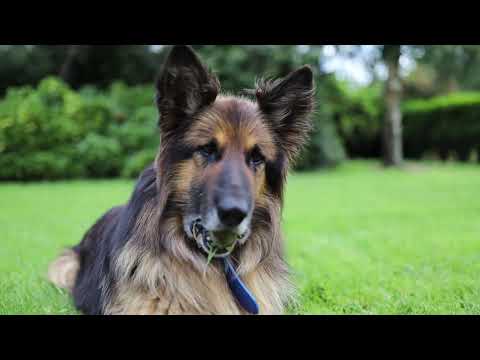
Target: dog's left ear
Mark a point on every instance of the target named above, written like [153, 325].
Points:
[184, 86]
[287, 103]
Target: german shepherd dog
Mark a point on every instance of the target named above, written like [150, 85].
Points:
[220, 172]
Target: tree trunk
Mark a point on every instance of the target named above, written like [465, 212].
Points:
[392, 129]
[66, 71]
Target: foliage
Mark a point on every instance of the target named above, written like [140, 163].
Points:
[22, 65]
[101, 156]
[54, 132]
[137, 162]
[455, 67]
[358, 113]
[78, 65]
[239, 66]
[446, 125]
[325, 148]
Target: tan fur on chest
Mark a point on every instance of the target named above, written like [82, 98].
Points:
[167, 287]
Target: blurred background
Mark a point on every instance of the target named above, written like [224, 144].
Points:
[381, 214]
[85, 111]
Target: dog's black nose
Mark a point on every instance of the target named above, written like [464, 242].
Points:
[231, 211]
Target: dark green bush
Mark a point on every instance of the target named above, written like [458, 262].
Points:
[446, 125]
[137, 162]
[53, 132]
[127, 100]
[93, 115]
[358, 114]
[139, 132]
[33, 120]
[42, 165]
[100, 156]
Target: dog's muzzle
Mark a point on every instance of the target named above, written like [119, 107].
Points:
[206, 241]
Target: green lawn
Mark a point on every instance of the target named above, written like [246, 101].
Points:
[362, 240]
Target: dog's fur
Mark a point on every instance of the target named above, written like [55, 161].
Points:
[138, 258]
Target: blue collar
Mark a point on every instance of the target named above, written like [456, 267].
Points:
[244, 297]
[237, 287]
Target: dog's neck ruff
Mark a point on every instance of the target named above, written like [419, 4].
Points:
[239, 290]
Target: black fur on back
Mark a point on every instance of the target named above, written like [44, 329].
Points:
[94, 280]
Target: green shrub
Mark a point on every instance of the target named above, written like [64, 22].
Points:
[100, 156]
[92, 115]
[446, 125]
[52, 132]
[127, 100]
[41, 119]
[358, 114]
[139, 132]
[137, 162]
[42, 165]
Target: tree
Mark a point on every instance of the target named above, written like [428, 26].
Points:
[389, 55]
[392, 127]
[455, 67]
[100, 65]
[78, 65]
[66, 71]
[22, 65]
[239, 66]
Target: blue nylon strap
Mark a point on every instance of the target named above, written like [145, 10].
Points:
[244, 297]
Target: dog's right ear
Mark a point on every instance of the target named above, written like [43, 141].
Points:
[184, 87]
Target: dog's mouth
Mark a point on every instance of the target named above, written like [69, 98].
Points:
[217, 244]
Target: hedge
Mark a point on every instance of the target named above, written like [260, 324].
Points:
[53, 132]
[446, 125]
[358, 114]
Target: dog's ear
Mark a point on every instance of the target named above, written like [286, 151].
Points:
[184, 86]
[286, 104]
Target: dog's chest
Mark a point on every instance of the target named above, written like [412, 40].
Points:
[178, 297]
[183, 294]
[166, 285]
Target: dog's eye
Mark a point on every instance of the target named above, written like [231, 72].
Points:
[210, 151]
[256, 157]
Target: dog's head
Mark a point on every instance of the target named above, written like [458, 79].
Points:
[222, 158]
